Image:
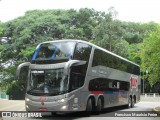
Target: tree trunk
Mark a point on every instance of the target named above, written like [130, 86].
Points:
[110, 43]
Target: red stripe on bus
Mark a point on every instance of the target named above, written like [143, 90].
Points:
[97, 92]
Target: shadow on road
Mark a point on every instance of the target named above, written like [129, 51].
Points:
[108, 112]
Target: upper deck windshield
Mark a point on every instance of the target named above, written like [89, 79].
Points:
[54, 51]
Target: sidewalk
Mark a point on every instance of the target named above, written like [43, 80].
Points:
[156, 109]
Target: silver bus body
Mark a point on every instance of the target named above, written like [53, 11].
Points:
[113, 86]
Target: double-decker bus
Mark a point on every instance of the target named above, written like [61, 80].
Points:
[75, 75]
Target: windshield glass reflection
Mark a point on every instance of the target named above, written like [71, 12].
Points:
[48, 82]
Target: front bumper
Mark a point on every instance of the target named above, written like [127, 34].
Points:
[46, 106]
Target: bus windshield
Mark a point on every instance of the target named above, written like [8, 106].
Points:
[54, 51]
[47, 82]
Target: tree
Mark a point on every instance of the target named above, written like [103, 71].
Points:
[1, 29]
[136, 32]
[133, 50]
[109, 29]
[121, 48]
[150, 55]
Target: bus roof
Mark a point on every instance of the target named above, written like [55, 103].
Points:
[93, 45]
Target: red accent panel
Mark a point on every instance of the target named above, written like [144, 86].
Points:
[97, 92]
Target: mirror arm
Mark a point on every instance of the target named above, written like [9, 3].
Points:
[68, 65]
[20, 67]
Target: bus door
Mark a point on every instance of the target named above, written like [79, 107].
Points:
[77, 78]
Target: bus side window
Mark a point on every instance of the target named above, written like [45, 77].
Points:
[82, 52]
[118, 83]
[124, 86]
[114, 84]
[110, 85]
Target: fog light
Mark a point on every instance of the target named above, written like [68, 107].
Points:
[64, 107]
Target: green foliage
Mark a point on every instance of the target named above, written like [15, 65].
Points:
[8, 77]
[108, 30]
[10, 84]
[136, 32]
[27, 53]
[134, 53]
[150, 55]
[121, 48]
[1, 47]
[1, 29]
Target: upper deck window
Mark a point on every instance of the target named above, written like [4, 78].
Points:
[108, 60]
[82, 52]
[54, 51]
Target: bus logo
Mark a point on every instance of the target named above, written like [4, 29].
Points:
[42, 98]
[133, 82]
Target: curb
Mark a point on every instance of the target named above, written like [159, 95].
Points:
[156, 111]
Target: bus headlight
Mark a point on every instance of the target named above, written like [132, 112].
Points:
[27, 99]
[62, 100]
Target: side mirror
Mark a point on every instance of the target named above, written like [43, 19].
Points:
[20, 67]
[72, 63]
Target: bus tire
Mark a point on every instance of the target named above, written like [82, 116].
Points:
[99, 106]
[89, 106]
[130, 102]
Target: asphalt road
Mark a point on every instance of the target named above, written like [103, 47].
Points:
[107, 114]
[12, 105]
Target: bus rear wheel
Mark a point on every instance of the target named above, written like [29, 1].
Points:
[132, 103]
[99, 106]
[89, 106]
[129, 102]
